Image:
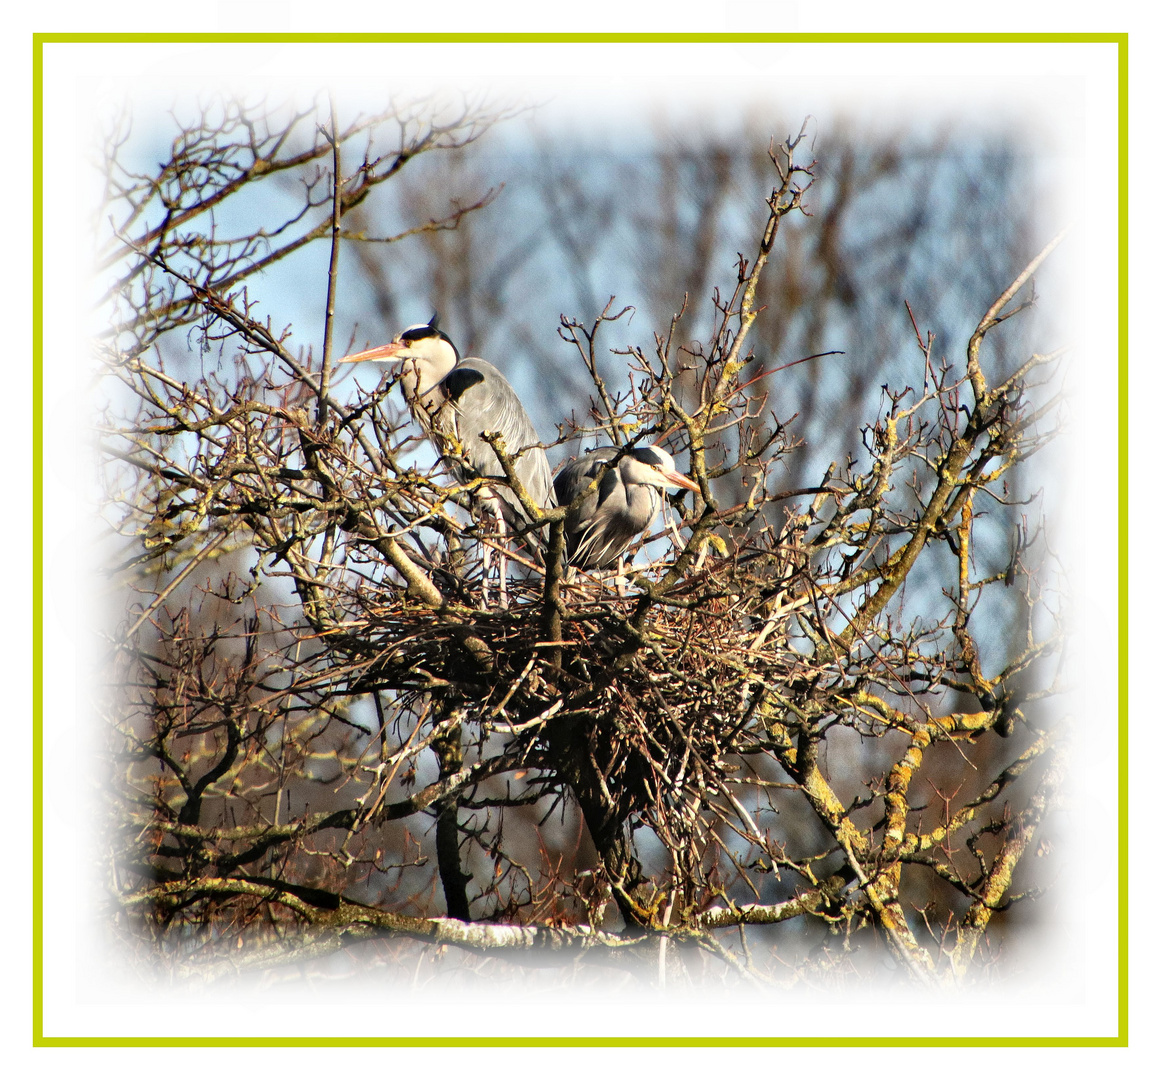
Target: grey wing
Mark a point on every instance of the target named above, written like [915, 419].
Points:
[448, 399]
[536, 476]
[615, 512]
[594, 531]
[572, 479]
[485, 401]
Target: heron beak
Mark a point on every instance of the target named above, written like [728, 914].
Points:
[380, 352]
[680, 480]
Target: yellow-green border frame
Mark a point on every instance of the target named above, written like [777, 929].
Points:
[1122, 43]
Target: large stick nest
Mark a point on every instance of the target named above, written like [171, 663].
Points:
[666, 713]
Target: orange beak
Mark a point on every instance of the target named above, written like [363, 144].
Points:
[681, 480]
[380, 352]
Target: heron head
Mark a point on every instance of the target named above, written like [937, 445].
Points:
[654, 467]
[426, 352]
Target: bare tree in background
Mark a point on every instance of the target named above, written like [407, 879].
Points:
[806, 732]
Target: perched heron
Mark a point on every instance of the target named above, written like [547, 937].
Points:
[456, 400]
[624, 502]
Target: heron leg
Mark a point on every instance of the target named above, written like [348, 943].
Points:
[620, 582]
[491, 507]
[501, 560]
[485, 572]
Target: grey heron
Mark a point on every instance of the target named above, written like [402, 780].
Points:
[624, 502]
[456, 400]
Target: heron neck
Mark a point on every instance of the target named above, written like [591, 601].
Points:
[418, 381]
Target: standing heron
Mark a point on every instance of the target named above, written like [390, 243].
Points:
[455, 401]
[624, 502]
